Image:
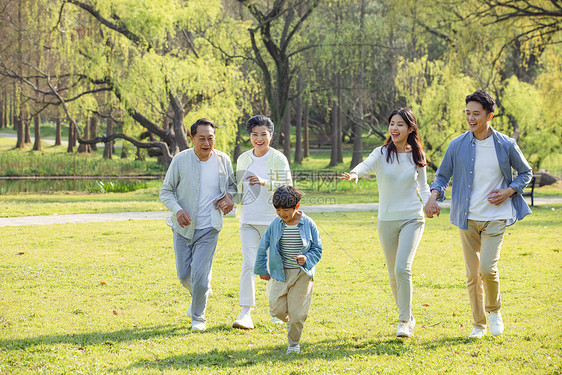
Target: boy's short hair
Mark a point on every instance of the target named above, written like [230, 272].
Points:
[484, 98]
[286, 196]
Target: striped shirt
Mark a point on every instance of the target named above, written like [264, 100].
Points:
[291, 246]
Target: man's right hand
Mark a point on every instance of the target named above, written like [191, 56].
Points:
[183, 218]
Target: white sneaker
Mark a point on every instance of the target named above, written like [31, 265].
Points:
[404, 330]
[496, 323]
[477, 333]
[412, 322]
[198, 326]
[244, 323]
[276, 320]
[293, 349]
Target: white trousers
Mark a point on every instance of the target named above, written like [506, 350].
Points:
[250, 236]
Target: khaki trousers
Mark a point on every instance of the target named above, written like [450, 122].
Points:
[481, 244]
[289, 301]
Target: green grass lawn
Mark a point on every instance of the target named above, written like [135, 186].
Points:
[103, 298]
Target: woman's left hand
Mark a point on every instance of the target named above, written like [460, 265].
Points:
[255, 180]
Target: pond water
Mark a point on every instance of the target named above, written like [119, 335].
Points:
[88, 185]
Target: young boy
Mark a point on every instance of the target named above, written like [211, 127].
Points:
[291, 246]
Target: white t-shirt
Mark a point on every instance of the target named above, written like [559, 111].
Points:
[256, 207]
[399, 183]
[487, 177]
[209, 191]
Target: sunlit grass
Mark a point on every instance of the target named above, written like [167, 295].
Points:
[103, 298]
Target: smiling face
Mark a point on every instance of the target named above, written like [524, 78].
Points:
[478, 119]
[289, 215]
[260, 137]
[203, 142]
[399, 131]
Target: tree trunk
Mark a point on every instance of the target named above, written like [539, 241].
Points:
[2, 110]
[93, 131]
[70, 147]
[58, 131]
[108, 148]
[298, 123]
[334, 137]
[356, 127]
[238, 143]
[13, 111]
[306, 136]
[287, 131]
[37, 129]
[18, 121]
[339, 119]
[27, 130]
[139, 155]
[178, 124]
[85, 148]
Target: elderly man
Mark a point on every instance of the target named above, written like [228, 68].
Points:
[198, 189]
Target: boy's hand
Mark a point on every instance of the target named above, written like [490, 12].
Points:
[301, 260]
[265, 277]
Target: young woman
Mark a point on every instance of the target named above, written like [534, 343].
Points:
[258, 172]
[400, 167]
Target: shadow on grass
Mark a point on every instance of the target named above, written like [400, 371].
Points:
[327, 350]
[95, 338]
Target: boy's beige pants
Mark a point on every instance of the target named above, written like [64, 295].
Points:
[481, 245]
[289, 301]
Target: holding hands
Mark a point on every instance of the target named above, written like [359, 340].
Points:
[431, 207]
[225, 204]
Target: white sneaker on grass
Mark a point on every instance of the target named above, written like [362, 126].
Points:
[477, 333]
[496, 323]
[404, 330]
[244, 322]
[276, 320]
[293, 349]
[198, 326]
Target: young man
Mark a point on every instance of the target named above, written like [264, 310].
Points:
[198, 189]
[485, 200]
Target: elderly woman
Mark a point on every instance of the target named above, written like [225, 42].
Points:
[259, 172]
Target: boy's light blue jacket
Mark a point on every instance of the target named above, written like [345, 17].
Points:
[268, 249]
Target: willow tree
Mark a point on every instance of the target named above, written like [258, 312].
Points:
[155, 58]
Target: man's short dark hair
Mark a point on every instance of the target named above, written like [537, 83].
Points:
[484, 98]
[286, 197]
[201, 122]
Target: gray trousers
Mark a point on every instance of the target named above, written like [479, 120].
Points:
[194, 260]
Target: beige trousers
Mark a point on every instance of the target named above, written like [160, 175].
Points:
[399, 241]
[481, 244]
[289, 301]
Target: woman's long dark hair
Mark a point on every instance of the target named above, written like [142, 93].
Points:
[418, 154]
